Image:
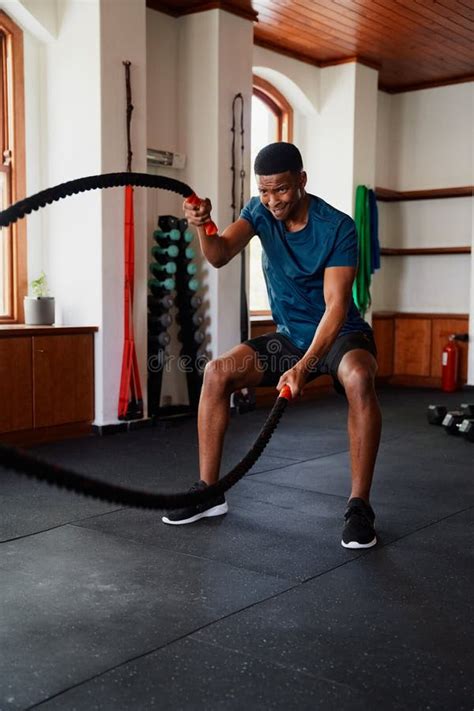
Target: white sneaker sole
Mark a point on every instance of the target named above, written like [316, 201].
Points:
[355, 544]
[219, 510]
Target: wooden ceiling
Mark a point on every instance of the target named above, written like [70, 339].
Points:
[412, 43]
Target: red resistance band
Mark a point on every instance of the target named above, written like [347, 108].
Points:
[130, 398]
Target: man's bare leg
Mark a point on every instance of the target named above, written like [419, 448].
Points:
[238, 368]
[357, 373]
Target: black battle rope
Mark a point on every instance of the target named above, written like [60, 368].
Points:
[24, 463]
[92, 182]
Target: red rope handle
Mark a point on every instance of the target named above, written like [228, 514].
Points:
[210, 227]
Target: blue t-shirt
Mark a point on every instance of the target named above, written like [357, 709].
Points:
[294, 263]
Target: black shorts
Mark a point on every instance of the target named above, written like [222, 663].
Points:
[276, 354]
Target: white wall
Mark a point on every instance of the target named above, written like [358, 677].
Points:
[71, 137]
[365, 127]
[433, 137]
[216, 38]
[122, 37]
[384, 163]
[421, 284]
[75, 126]
[425, 141]
[38, 17]
[162, 50]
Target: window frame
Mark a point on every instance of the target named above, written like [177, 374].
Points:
[13, 139]
[278, 105]
[283, 111]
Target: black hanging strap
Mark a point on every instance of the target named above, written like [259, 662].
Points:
[129, 114]
[244, 327]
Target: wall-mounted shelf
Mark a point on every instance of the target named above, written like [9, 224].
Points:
[389, 252]
[385, 195]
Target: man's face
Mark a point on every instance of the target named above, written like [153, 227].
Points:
[281, 193]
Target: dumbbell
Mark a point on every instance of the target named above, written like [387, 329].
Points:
[188, 236]
[163, 321]
[157, 287]
[452, 420]
[195, 301]
[437, 413]
[192, 301]
[161, 253]
[468, 409]
[466, 428]
[197, 336]
[161, 339]
[158, 269]
[191, 269]
[168, 222]
[165, 239]
[189, 253]
[159, 305]
[196, 319]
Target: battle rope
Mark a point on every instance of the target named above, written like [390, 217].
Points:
[24, 463]
[92, 182]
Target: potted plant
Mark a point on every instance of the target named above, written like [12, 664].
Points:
[39, 308]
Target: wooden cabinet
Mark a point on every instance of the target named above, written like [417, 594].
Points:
[63, 377]
[384, 335]
[410, 345]
[16, 384]
[46, 382]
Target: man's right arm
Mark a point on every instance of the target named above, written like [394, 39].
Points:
[218, 249]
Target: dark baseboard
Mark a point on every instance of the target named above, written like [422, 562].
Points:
[116, 428]
[42, 435]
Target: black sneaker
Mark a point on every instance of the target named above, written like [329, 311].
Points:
[359, 530]
[212, 507]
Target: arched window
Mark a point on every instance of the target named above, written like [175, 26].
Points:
[12, 170]
[272, 120]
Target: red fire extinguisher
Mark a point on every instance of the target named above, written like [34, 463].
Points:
[450, 365]
[450, 362]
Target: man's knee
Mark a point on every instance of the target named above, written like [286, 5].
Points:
[218, 374]
[237, 369]
[358, 377]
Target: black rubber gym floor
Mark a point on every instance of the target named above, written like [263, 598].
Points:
[106, 608]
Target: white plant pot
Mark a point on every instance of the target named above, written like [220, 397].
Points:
[39, 310]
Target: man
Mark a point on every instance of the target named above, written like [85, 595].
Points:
[309, 261]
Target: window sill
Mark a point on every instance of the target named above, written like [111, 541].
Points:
[264, 319]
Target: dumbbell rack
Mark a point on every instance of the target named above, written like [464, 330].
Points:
[188, 303]
[173, 271]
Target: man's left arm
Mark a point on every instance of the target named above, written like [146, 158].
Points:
[337, 296]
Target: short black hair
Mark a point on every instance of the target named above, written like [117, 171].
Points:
[278, 158]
